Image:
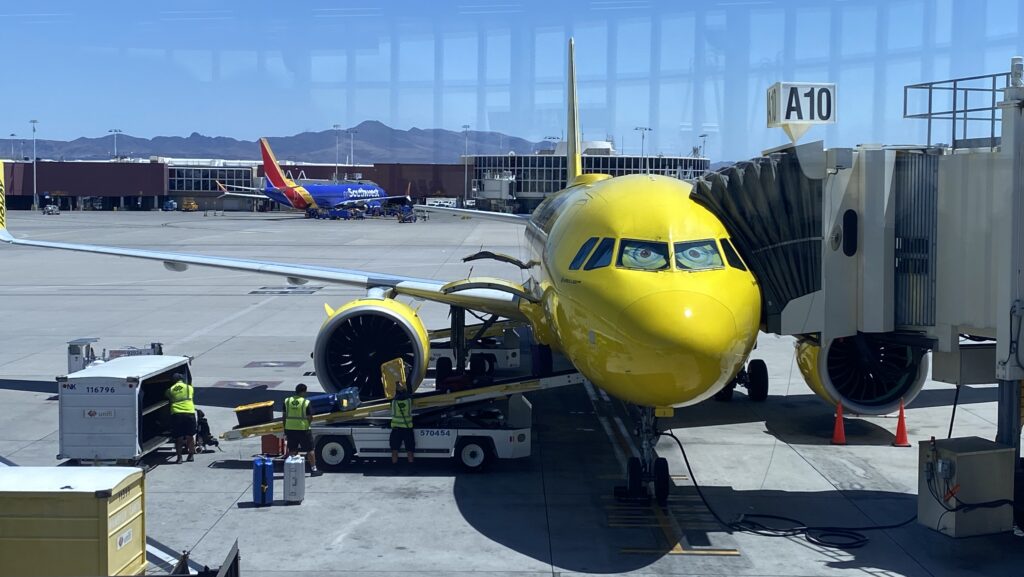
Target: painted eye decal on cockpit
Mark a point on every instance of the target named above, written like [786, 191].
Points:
[697, 255]
[643, 255]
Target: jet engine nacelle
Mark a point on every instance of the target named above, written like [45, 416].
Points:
[359, 337]
[868, 374]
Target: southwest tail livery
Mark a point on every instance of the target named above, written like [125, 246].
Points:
[308, 194]
[3, 204]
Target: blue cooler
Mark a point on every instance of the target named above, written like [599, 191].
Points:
[323, 404]
[348, 399]
[262, 481]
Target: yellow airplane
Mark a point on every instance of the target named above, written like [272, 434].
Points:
[635, 283]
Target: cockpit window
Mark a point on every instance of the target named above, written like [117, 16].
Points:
[731, 256]
[602, 255]
[643, 255]
[698, 255]
[577, 261]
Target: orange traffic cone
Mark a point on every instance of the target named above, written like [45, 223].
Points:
[901, 430]
[839, 432]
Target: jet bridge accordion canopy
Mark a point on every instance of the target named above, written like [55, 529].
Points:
[772, 211]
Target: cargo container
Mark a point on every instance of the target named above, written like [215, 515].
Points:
[72, 521]
[118, 410]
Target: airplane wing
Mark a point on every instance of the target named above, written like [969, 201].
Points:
[490, 297]
[366, 200]
[520, 219]
[225, 192]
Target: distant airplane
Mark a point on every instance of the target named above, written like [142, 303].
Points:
[309, 194]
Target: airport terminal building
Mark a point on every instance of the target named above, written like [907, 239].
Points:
[509, 183]
[518, 183]
[146, 184]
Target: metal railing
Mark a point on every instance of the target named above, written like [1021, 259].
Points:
[966, 103]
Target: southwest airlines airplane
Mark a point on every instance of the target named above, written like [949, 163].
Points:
[309, 194]
[637, 284]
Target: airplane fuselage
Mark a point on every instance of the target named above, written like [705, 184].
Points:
[641, 288]
[324, 195]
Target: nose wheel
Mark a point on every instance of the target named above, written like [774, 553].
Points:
[754, 377]
[647, 470]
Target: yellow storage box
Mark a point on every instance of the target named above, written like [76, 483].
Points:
[72, 521]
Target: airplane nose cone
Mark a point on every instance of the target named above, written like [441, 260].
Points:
[681, 346]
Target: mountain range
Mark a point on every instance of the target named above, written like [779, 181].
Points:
[373, 141]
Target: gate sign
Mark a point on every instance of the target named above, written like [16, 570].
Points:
[796, 106]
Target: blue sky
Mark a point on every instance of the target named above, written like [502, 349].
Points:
[683, 68]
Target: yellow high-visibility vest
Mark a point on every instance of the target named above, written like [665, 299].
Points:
[180, 394]
[401, 414]
[295, 418]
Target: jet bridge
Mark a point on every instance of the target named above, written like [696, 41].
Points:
[874, 256]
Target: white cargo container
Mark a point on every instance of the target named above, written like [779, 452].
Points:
[118, 410]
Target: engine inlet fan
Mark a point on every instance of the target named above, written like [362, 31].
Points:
[352, 347]
[869, 372]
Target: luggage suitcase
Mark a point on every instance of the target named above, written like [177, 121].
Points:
[348, 399]
[262, 481]
[294, 479]
[322, 404]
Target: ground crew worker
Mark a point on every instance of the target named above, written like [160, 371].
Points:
[183, 417]
[297, 413]
[401, 424]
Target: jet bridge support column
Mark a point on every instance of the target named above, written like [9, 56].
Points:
[1010, 300]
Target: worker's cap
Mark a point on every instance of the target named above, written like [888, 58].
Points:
[300, 388]
[178, 377]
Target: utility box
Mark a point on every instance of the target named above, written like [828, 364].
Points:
[965, 471]
[118, 410]
[72, 521]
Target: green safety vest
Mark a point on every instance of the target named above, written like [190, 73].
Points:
[401, 414]
[295, 418]
[180, 395]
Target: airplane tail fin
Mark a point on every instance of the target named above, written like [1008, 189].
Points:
[574, 162]
[272, 169]
[4, 235]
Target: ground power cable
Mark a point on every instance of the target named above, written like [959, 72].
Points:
[753, 523]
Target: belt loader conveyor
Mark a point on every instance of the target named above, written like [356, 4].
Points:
[420, 402]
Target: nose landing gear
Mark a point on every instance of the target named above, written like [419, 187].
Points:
[754, 377]
[647, 468]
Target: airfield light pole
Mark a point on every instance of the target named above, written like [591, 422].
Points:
[337, 149]
[643, 130]
[703, 140]
[13, 136]
[35, 194]
[465, 166]
[352, 145]
[115, 132]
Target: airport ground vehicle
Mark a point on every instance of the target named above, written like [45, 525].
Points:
[474, 427]
[189, 205]
[51, 209]
[170, 205]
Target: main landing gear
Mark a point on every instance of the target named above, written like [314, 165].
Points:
[754, 377]
[647, 468]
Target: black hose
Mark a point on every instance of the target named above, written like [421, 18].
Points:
[833, 537]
